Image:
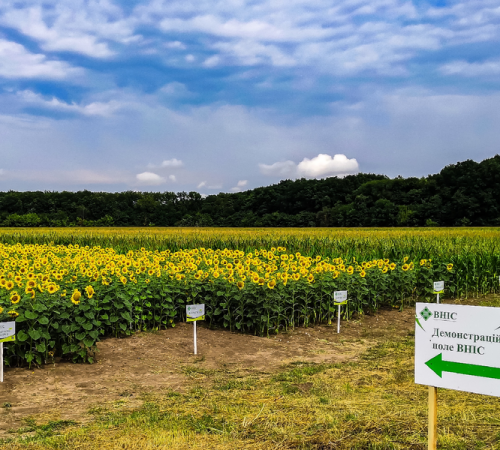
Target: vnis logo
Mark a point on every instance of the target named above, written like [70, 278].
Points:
[426, 314]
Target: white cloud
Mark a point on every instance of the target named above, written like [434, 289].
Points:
[172, 163]
[279, 169]
[326, 166]
[202, 184]
[239, 186]
[190, 58]
[17, 62]
[491, 67]
[91, 109]
[212, 61]
[253, 29]
[318, 167]
[172, 178]
[175, 45]
[149, 178]
[175, 89]
[74, 26]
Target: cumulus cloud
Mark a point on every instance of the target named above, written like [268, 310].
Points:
[320, 166]
[172, 163]
[149, 178]
[202, 184]
[326, 166]
[172, 178]
[17, 62]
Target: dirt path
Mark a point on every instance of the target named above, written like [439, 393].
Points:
[152, 362]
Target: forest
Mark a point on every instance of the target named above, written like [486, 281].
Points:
[463, 194]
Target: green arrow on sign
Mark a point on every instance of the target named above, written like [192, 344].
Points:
[439, 366]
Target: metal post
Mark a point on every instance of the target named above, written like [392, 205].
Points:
[432, 444]
[194, 334]
[1, 362]
[438, 298]
[338, 321]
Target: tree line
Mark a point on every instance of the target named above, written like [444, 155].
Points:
[462, 194]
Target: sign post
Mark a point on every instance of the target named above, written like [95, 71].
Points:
[456, 347]
[193, 314]
[438, 288]
[7, 334]
[339, 298]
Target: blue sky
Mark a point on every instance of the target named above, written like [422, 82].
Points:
[227, 95]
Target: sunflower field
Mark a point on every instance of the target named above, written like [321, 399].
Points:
[68, 288]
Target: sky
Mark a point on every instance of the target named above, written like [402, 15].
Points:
[228, 95]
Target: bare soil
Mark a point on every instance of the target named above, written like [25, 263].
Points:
[127, 368]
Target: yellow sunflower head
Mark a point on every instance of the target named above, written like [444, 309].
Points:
[90, 291]
[75, 298]
[15, 297]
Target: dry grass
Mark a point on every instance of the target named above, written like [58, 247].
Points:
[371, 403]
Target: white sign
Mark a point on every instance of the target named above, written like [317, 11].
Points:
[458, 347]
[438, 286]
[339, 296]
[195, 312]
[7, 331]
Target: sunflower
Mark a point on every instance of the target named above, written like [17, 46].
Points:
[449, 267]
[271, 284]
[392, 266]
[123, 280]
[15, 297]
[90, 291]
[405, 267]
[75, 298]
[1, 310]
[13, 314]
[310, 278]
[51, 288]
[9, 285]
[362, 274]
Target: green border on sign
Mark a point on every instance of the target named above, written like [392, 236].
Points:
[189, 319]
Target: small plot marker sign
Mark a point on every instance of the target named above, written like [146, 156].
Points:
[339, 298]
[438, 288]
[193, 314]
[7, 334]
[456, 347]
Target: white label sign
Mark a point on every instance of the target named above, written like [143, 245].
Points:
[457, 347]
[339, 296]
[195, 312]
[7, 331]
[438, 286]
